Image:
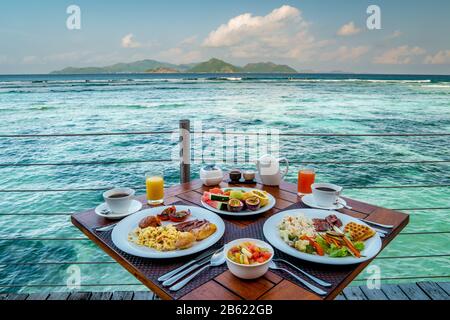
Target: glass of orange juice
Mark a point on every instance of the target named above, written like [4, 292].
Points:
[154, 182]
[306, 177]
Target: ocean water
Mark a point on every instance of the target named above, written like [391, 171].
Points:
[38, 245]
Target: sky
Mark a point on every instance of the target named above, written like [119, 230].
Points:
[319, 35]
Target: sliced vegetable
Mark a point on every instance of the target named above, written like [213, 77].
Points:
[179, 216]
[165, 214]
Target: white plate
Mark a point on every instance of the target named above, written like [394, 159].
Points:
[309, 201]
[123, 228]
[134, 207]
[270, 229]
[269, 206]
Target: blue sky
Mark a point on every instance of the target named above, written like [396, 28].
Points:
[308, 35]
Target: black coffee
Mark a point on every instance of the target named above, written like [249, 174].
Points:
[118, 195]
[326, 189]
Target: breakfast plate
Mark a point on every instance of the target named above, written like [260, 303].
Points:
[274, 231]
[123, 232]
[309, 201]
[218, 202]
[103, 210]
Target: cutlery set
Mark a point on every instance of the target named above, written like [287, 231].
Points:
[217, 258]
[181, 276]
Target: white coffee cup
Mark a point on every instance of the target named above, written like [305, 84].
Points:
[119, 199]
[326, 194]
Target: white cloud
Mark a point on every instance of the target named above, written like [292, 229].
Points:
[179, 55]
[283, 33]
[348, 29]
[189, 41]
[29, 59]
[394, 35]
[441, 57]
[345, 53]
[399, 55]
[129, 42]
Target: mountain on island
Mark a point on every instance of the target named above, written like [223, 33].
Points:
[132, 67]
[211, 66]
[162, 70]
[215, 66]
[268, 67]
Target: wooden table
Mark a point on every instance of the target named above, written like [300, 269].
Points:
[226, 286]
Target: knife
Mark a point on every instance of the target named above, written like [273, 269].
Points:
[204, 255]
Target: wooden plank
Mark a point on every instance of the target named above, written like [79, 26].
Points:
[272, 277]
[58, 296]
[354, 293]
[210, 291]
[17, 296]
[445, 286]
[247, 289]
[433, 290]
[122, 295]
[413, 291]
[38, 296]
[387, 216]
[143, 295]
[287, 290]
[373, 294]
[79, 296]
[393, 292]
[101, 296]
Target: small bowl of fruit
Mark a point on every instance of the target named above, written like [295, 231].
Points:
[248, 258]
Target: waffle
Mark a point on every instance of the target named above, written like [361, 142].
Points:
[359, 232]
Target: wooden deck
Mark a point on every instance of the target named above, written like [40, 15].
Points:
[409, 291]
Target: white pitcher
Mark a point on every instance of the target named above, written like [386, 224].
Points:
[269, 170]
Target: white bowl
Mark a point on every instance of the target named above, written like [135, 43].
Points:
[245, 271]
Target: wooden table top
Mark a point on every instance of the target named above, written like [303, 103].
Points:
[226, 286]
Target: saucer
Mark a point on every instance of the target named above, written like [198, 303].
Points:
[309, 201]
[134, 207]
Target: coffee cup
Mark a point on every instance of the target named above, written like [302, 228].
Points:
[326, 194]
[119, 199]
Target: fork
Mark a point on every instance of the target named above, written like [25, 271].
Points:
[273, 266]
[313, 278]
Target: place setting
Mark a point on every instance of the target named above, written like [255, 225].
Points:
[119, 203]
[327, 196]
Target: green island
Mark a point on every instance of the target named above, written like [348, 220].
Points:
[213, 65]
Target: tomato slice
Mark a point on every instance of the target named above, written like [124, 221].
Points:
[179, 216]
[165, 214]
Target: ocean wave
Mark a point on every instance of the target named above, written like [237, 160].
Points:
[437, 86]
[361, 80]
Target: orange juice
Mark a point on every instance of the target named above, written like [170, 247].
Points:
[155, 189]
[306, 178]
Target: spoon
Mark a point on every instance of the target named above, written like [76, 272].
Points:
[217, 259]
[273, 266]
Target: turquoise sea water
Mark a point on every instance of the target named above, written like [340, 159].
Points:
[38, 242]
